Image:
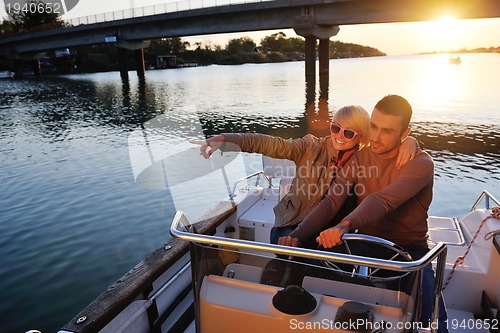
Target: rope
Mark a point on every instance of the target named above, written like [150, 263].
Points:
[495, 213]
[491, 234]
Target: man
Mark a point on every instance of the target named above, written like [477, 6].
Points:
[392, 203]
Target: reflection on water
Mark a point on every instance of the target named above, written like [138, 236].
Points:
[473, 148]
[72, 220]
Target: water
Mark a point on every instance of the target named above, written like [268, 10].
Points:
[72, 218]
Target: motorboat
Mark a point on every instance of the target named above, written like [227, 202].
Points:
[6, 74]
[455, 60]
[219, 273]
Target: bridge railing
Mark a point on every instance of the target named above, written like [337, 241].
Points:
[169, 7]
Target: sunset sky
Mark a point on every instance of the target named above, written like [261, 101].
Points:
[441, 34]
[403, 38]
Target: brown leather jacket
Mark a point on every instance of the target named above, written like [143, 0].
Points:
[315, 160]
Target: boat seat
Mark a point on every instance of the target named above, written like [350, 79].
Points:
[234, 305]
[446, 230]
[256, 223]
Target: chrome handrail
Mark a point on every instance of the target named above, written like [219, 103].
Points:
[487, 196]
[258, 173]
[439, 251]
[180, 218]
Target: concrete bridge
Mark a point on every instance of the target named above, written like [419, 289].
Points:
[312, 19]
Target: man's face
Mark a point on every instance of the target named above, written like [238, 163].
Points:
[386, 134]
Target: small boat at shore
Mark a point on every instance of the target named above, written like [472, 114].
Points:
[6, 74]
[455, 60]
[219, 273]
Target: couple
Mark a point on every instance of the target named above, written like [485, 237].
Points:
[373, 157]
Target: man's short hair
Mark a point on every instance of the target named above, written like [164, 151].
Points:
[396, 105]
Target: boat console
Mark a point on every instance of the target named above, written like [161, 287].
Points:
[318, 304]
[243, 286]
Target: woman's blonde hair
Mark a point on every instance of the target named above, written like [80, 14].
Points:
[358, 119]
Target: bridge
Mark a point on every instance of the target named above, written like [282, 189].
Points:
[312, 19]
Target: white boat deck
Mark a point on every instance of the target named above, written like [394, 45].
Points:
[256, 222]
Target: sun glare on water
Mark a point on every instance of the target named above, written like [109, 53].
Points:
[438, 81]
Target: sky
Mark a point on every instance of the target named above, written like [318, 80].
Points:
[441, 34]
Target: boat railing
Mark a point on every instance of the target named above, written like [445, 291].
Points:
[438, 252]
[487, 196]
[161, 8]
[258, 176]
[181, 219]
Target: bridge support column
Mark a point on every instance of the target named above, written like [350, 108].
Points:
[122, 63]
[138, 47]
[310, 53]
[310, 31]
[139, 63]
[324, 67]
[17, 67]
[37, 71]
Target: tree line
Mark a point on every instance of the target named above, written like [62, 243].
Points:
[276, 47]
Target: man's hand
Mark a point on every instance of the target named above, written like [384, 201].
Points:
[333, 236]
[213, 143]
[289, 241]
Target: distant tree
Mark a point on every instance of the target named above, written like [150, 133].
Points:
[6, 28]
[27, 20]
[178, 45]
[349, 50]
[278, 42]
[275, 42]
[295, 44]
[240, 45]
[174, 45]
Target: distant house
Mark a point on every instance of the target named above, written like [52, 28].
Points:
[166, 61]
[62, 53]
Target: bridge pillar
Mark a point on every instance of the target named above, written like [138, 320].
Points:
[324, 66]
[138, 47]
[310, 53]
[37, 70]
[122, 63]
[306, 28]
[139, 63]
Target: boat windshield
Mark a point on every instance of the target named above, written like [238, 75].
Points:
[262, 290]
[248, 286]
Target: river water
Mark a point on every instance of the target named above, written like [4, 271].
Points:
[72, 218]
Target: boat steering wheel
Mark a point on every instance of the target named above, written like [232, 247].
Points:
[370, 273]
